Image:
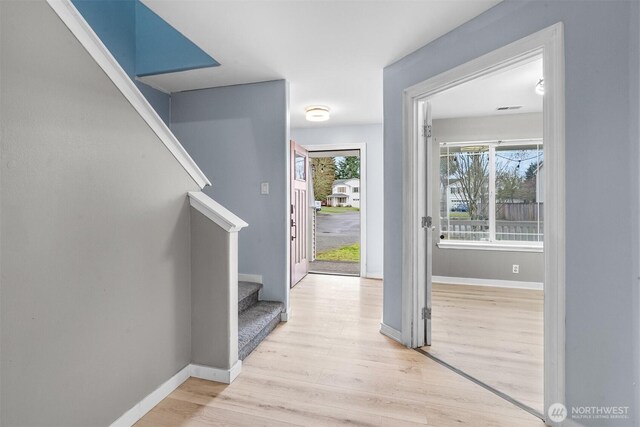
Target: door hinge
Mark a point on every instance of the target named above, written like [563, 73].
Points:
[426, 313]
[427, 221]
[426, 131]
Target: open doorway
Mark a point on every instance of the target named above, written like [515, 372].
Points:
[487, 188]
[335, 227]
[541, 310]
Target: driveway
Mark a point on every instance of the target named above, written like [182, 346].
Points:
[337, 230]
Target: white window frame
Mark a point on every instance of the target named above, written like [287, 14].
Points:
[492, 243]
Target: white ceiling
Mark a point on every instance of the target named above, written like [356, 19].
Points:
[482, 97]
[331, 51]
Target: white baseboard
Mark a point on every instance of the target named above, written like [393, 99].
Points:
[284, 316]
[445, 280]
[141, 408]
[390, 332]
[134, 414]
[255, 278]
[215, 374]
[373, 275]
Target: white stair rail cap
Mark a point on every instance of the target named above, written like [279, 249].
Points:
[217, 213]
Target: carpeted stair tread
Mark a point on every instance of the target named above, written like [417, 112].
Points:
[247, 294]
[255, 323]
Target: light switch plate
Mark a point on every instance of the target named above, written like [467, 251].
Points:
[264, 188]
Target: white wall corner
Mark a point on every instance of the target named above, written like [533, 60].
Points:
[390, 332]
[225, 376]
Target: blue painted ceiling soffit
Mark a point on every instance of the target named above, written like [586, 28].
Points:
[161, 49]
[115, 23]
[143, 43]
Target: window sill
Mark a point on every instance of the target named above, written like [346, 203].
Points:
[486, 246]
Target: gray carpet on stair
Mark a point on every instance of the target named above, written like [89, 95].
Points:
[255, 323]
[247, 295]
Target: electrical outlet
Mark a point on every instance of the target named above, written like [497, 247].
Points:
[516, 269]
[264, 188]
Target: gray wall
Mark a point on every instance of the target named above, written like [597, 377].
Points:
[634, 133]
[634, 210]
[238, 136]
[484, 264]
[95, 295]
[601, 179]
[371, 135]
[214, 304]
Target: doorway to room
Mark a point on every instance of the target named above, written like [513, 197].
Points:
[482, 190]
[335, 225]
[487, 186]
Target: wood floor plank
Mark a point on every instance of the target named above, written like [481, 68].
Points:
[329, 365]
[493, 334]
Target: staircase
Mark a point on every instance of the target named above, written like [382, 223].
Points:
[256, 319]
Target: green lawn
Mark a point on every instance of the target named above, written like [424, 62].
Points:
[346, 253]
[332, 210]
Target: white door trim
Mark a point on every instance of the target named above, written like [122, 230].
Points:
[549, 43]
[363, 191]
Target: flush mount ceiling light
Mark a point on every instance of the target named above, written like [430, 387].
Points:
[540, 87]
[317, 113]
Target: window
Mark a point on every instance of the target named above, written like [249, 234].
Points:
[492, 192]
[342, 190]
[300, 167]
[356, 189]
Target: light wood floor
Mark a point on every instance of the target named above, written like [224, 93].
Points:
[494, 335]
[329, 365]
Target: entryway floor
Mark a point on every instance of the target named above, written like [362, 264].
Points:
[495, 335]
[334, 267]
[329, 365]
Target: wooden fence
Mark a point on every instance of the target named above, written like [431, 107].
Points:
[519, 211]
